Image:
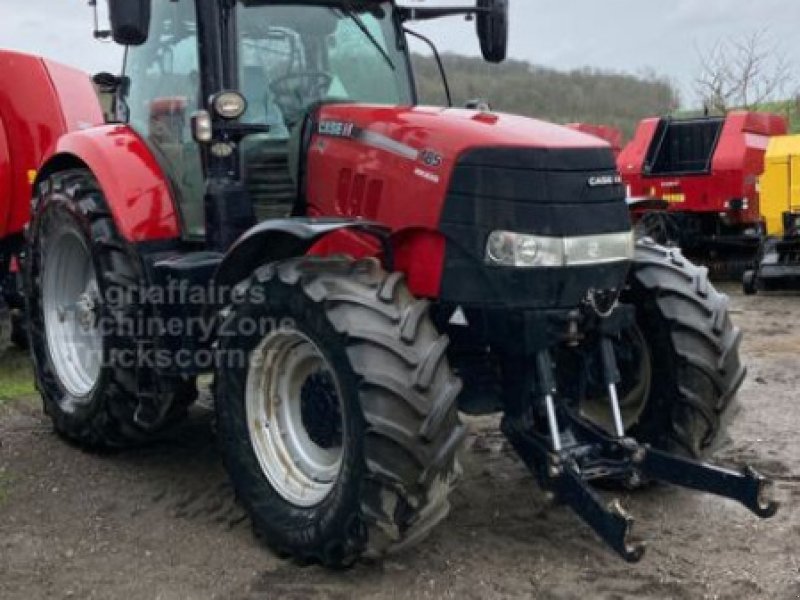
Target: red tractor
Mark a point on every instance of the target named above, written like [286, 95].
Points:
[273, 207]
[694, 183]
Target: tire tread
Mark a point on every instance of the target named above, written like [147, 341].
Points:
[704, 341]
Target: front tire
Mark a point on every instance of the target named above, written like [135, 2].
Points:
[696, 368]
[385, 447]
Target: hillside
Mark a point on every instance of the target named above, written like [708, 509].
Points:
[790, 109]
[787, 108]
[519, 87]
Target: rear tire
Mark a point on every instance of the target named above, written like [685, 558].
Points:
[6, 326]
[400, 428]
[16, 306]
[697, 370]
[91, 397]
[749, 283]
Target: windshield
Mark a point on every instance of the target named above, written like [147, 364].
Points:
[293, 56]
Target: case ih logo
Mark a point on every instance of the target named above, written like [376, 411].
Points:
[604, 180]
[336, 128]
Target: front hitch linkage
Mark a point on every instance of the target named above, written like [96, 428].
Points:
[566, 471]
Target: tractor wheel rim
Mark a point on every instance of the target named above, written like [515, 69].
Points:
[71, 303]
[287, 373]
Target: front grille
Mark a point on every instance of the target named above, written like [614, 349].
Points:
[529, 190]
[539, 191]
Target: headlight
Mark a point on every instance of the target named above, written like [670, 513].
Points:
[229, 105]
[593, 249]
[501, 248]
[509, 249]
[518, 250]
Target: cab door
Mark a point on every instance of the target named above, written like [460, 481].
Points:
[164, 92]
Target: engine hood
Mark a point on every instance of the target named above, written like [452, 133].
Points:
[399, 165]
[449, 132]
[458, 175]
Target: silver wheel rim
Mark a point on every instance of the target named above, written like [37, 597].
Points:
[298, 466]
[71, 301]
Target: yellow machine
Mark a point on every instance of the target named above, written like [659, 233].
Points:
[778, 264]
[780, 183]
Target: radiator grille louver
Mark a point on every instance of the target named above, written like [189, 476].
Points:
[269, 181]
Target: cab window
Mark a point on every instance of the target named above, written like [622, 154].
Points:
[293, 56]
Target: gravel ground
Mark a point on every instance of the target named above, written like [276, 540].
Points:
[161, 523]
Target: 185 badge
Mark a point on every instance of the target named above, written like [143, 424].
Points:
[431, 158]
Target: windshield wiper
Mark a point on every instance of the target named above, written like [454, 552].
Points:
[352, 14]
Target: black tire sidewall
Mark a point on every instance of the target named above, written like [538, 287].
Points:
[655, 421]
[6, 327]
[696, 367]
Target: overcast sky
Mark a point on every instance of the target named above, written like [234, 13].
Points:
[623, 35]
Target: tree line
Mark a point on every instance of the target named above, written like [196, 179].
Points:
[519, 87]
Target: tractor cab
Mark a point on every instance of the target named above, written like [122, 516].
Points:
[275, 61]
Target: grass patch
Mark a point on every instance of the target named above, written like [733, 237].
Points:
[16, 376]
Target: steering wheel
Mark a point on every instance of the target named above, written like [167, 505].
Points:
[296, 91]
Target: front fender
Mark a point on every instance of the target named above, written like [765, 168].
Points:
[280, 239]
[135, 187]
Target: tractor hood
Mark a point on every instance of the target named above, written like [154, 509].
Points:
[449, 132]
[406, 166]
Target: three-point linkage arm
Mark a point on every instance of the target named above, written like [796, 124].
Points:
[568, 472]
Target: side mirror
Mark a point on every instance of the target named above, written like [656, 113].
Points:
[492, 24]
[107, 83]
[130, 21]
[479, 104]
[109, 87]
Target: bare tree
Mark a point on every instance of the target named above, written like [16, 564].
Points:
[742, 73]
